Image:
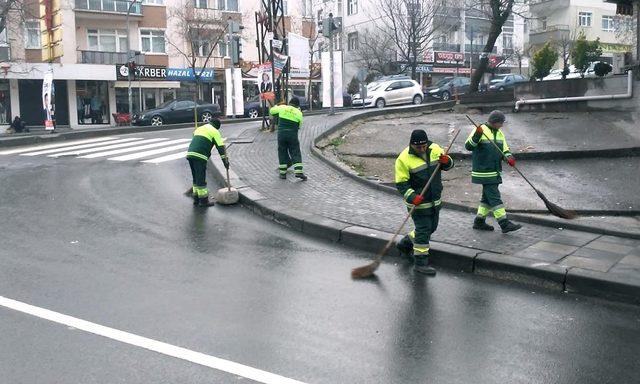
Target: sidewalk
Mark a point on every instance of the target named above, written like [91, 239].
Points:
[333, 205]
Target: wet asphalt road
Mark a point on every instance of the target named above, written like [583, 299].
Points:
[118, 245]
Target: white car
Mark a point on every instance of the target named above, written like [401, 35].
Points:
[556, 74]
[390, 92]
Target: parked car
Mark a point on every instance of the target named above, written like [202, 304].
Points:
[346, 99]
[448, 87]
[253, 106]
[556, 74]
[177, 111]
[390, 92]
[504, 82]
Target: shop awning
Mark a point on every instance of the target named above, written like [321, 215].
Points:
[148, 84]
[36, 71]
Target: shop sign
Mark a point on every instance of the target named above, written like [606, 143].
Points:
[457, 70]
[143, 72]
[424, 68]
[186, 74]
[449, 58]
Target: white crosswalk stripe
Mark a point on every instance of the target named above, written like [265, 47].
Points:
[92, 145]
[126, 150]
[57, 145]
[122, 145]
[111, 148]
[149, 153]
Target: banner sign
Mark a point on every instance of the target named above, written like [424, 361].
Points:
[48, 100]
[449, 57]
[143, 72]
[186, 74]
[280, 61]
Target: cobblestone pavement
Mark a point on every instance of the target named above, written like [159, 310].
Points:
[332, 195]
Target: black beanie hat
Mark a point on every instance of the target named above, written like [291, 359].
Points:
[419, 137]
[215, 123]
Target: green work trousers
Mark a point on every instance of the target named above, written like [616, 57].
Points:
[199, 175]
[491, 202]
[289, 151]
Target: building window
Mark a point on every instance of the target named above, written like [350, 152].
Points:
[228, 5]
[200, 3]
[5, 102]
[352, 41]
[32, 35]
[584, 19]
[92, 102]
[608, 24]
[152, 41]
[222, 48]
[155, 2]
[543, 23]
[107, 40]
[352, 7]
[507, 41]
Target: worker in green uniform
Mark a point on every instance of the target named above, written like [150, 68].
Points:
[414, 166]
[289, 122]
[205, 137]
[487, 170]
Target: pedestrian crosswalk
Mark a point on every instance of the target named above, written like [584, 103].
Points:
[146, 150]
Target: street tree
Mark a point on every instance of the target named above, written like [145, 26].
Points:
[13, 14]
[411, 25]
[497, 12]
[565, 46]
[354, 86]
[585, 52]
[376, 53]
[195, 35]
[543, 60]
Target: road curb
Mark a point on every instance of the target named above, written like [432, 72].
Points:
[594, 283]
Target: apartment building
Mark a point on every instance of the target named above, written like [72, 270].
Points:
[555, 20]
[452, 49]
[90, 81]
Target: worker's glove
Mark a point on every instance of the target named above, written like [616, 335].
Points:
[479, 130]
[444, 159]
[511, 161]
[417, 200]
[225, 161]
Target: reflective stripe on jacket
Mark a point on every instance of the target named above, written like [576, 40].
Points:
[485, 157]
[412, 173]
[204, 138]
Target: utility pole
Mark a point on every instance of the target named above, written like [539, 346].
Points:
[233, 83]
[332, 109]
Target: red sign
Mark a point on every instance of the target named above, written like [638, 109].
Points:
[449, 57]
[458, 70]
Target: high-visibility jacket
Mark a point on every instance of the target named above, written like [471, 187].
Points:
[486, 167]
[289, 117]
[204, 138]
[412, 172]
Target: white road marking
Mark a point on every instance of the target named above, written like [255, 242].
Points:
[173, 156]
[150, 344]
[58, 145]
[140, 155]
[125, 150]
[101, 148]
[74, 147]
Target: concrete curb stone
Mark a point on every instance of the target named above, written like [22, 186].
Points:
[504, 267]
[603, 285]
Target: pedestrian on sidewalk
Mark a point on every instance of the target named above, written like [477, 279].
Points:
[204, 138]
[487, 170]
[289, 122]
[414, 166]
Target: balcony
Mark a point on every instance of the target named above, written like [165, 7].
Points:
[477, 48]
[551, 33]
[213, 62]
[108, 6]
[547, 7]
[446, 47]
[100, 57]
[5, 53]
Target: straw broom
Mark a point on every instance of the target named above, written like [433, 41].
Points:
[553, 208]
[369, 269]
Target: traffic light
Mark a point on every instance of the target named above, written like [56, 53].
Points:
[132, 69]
[236, 49]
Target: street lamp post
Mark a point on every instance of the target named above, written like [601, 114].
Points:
[130, 56]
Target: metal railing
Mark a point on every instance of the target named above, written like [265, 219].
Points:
[101, 57]
[448, 47]
[551, 28]
[116, 6]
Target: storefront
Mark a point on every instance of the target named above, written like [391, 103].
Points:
[5, 102]
[149, 88]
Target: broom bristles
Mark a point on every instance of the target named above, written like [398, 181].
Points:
[555, 209]
[365, 271]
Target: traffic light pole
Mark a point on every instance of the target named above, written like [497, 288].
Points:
[233, 83]
[129, 60]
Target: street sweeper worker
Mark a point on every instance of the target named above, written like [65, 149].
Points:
[487, 171]
[289, 122]
[205, 137]
[413, 168]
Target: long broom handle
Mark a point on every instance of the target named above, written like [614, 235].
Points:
[502, 154]
[424, 189]
[228, 182]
